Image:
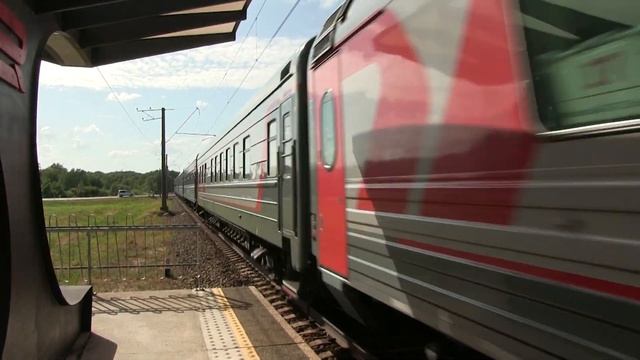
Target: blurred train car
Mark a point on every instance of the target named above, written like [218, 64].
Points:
[250, 177]
[185, 183]
[470, 163]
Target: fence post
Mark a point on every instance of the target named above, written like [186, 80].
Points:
[89, 256]
[198, 271]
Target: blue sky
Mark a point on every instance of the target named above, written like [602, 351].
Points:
[82, 125]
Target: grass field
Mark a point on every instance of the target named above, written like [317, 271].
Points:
[139, 209]
[122, 252]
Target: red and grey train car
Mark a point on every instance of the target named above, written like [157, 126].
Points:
[470, 163]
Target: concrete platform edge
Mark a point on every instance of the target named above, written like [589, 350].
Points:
[304, 347]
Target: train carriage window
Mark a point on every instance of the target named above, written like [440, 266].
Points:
[229, 165]
[288, 127]
[272, 150]
[204, 174]
[215, 171]
[211, 169]
[236, 160]
[246, 147]
[585, 61]
[223, 166]
[220, 171]
[328, 130]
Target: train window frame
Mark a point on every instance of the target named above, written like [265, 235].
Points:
[215, 173]
[227, 167]
[326, 98]
[236, 161]
[220, 168]
[272, 138]
[246, 147]
[223, 167]
[287, 118]
[533, 59]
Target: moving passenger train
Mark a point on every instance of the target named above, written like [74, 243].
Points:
[473, 164]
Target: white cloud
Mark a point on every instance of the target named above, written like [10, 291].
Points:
[201, 104]
[46, 133]
[122, 96]
[197, 68]
[328, 3]
[81, 133]
[91, 128]
[122, 153]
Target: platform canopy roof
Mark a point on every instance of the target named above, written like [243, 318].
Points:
[98, 32]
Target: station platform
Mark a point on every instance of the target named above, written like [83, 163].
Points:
[227, 323]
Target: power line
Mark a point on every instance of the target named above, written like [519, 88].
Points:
[295, 5]
[233, 60]
[121, 105]
[246, 36]
[183, 123]
[235, 55]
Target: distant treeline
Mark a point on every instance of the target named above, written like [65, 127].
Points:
[57, 181]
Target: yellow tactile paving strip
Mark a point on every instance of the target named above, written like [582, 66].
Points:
[241, 336]
[224, 336]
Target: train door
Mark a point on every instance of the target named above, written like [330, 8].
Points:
[331, 232]
[286, 170]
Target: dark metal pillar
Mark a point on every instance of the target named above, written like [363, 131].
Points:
[163, 164]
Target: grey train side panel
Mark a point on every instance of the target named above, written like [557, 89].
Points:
[559, 280]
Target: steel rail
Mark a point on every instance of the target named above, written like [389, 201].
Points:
[277, 294]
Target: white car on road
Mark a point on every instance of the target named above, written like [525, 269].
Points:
[124, 193]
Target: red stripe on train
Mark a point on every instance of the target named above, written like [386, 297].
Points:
[584, 282]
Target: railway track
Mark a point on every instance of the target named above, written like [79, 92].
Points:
[326, 339]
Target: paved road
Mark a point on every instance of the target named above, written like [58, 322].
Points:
[89, 198]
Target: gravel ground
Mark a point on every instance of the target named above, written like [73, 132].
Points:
[215, 270]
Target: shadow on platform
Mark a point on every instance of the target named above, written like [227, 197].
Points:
[177, 303]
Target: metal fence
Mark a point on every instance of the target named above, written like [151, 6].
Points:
[85, 250]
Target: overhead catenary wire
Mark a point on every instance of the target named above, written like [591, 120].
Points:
[246, 76]
[233, 60]
[121, 105]
[183, 123]
[235, 56]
